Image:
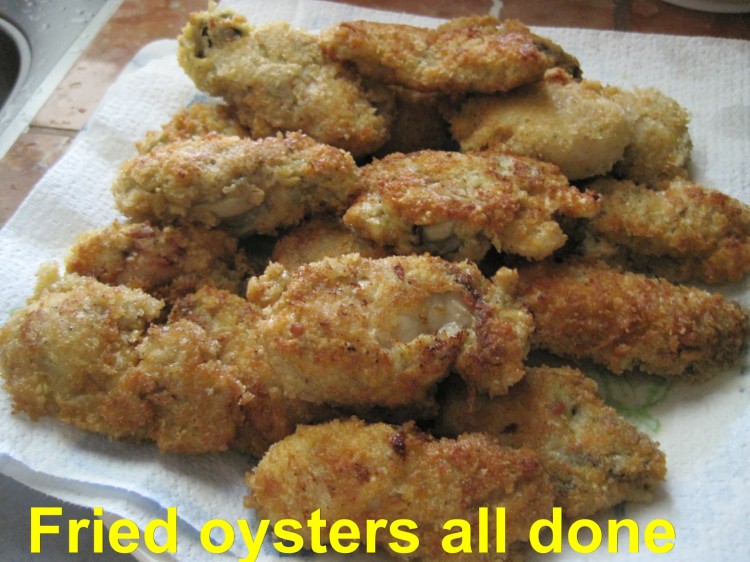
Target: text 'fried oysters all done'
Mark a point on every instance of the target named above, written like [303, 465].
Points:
[459, 205]
[244, 185]
[356, 331]
[277, 79]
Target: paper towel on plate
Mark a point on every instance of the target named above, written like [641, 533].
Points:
[703, 429]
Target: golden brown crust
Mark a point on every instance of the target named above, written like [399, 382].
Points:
[472, 54]
[277, 79]
[660, 146]
[195, 120]
[352, 470]
[684, 232]
[456, 205]
[244, 185]
[361, 332]
[628, 321]
[89, 354]
[591, 131]
[231, 321]
[321, 237]
[167, 262]
[595, 458]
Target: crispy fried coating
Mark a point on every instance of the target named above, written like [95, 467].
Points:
[231, 321]
[570, 123]
[196, 400]
[357, 471]
[595, 458]
[459, 205]
[90, 355]
[470, 54]
[277, 79]
[65, 351]
[660, 146]
[195, 120]
[684, 232]
[627, 321]
[243, 185]
[362, 332]
[321, 237]
[167, 262]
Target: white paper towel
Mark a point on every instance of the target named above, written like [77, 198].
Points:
[703, 429]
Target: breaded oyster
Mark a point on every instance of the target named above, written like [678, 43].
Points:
[91, 355]
[627, 321]
[595, 458]
[231, 321]
[683, 231]
[277, 79]
[166, 262]
[660, 147]
[321, 237]
[245, 186]
[351, 470]
[362, 332]
[470, 54]
[458, 205]
[573, 124]
[197, 119]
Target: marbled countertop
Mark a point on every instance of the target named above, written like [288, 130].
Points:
[137, 22]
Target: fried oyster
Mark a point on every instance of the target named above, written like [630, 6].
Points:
[470, 54]
[359, 332]
[91, 355]
[595, 458]
[627, 321]
[197, 119]
[277, 79]
[321, 237]
[684, 232]
[572, 124]
[166, 262]
[356, 471]
[232, 322]
[459, 205]
[244, 185]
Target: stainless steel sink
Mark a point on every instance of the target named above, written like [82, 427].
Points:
[39, 42]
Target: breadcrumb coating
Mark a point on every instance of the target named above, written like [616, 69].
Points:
[357, 471]
[354, 331]
[321, 237]
[232, 322]
[684, 232]
[661, 145]
[167, 262]
[596, 459]
[277, 78]
[572, 124]
[90, 355]
[459, 205]
[195, 120]
[470, 54]
[244, 185]
[627, 321]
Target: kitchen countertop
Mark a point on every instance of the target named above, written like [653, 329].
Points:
[137, 22]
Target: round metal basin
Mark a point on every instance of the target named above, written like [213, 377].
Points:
[15, 57]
